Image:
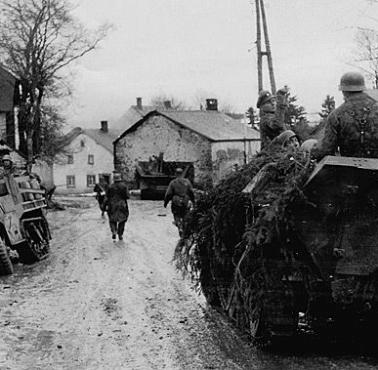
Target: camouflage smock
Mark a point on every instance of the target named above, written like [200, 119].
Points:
[352, 128]
[272, 124]
[179, 191]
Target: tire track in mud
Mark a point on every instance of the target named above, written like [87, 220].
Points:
[75, 304]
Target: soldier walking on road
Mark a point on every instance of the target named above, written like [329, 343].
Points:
[180, 192]
[100, 190]
[352, 128]
[272, 115]
[116, 206]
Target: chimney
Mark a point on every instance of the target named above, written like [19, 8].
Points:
[212, 104]
[167, 104]
[104, 126]
[139, 103]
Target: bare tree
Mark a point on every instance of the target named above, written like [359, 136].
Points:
[168, 102]
[200, 97]
[367, 53]
[38, 39]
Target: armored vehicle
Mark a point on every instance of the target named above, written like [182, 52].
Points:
[23, 226]
[320, 270]
[153, 177]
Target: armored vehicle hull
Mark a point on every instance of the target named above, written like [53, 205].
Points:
[312, 261]
[23, 225]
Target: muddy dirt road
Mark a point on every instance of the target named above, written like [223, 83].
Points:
[95, 304]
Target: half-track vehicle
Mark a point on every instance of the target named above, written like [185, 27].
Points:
[322, 272]
[23, 225]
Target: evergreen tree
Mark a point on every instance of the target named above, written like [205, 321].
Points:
[295, 113]
[250, 113]
[327, 107]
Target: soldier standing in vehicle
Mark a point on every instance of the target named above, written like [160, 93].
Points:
[352, 128]
[117, 207]
[180, 192]
[7, 164]
[272, 115]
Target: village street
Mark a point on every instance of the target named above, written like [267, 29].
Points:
[95, 304]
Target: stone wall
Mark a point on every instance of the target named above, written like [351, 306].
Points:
[160, 135]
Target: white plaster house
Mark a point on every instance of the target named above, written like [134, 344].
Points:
[85, 156]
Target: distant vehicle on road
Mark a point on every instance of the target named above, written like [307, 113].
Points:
[154, 177]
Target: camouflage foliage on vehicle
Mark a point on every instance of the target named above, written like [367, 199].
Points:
[228, 234]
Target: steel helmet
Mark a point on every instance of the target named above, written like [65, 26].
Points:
[117, 177]
[309, 145]
[352, 81]
[6, 157]
[264, 97]
[285, 136]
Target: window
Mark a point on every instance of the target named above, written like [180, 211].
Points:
[70, 180]
[91, 180]
[90, 159]
[70, 159]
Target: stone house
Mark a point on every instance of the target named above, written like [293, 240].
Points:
[85, 156]
[212, 141]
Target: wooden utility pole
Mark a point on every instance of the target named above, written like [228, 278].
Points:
[258, 43]
[260, 9]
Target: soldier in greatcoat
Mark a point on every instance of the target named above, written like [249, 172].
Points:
[116, 206]
[351, 129]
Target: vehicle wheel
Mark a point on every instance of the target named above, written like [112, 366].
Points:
[6, 267]
[36, 246]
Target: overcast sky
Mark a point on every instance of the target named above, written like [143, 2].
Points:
[207, 48]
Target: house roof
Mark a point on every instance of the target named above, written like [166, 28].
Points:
[132, 115]
[7, 90]
[237, 116]
[105, 139]
[66, 139]
[213, 125]
[102, 138]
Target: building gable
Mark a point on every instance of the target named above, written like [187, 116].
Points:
[158, 134]
[214, 126]
[82, 160]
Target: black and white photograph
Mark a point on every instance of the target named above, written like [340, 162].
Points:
[188, 184]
